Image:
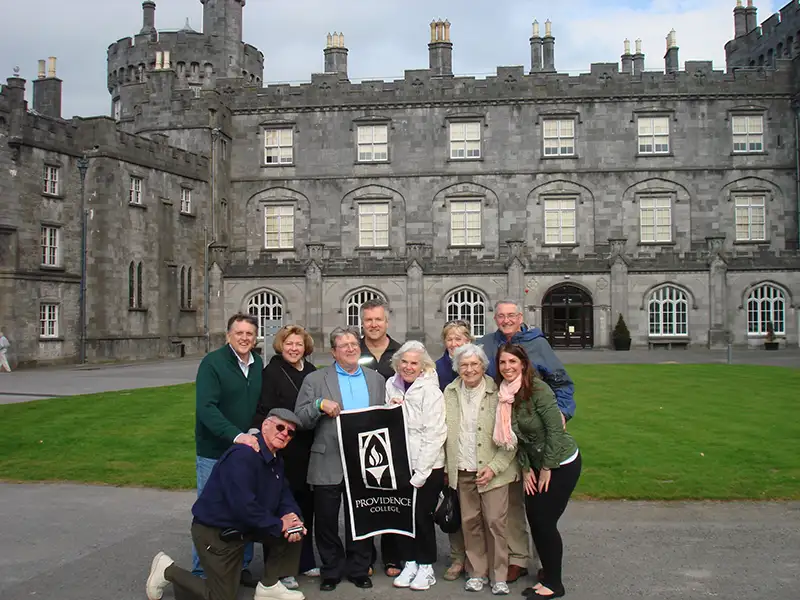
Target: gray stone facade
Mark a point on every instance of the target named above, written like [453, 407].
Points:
[725, 259]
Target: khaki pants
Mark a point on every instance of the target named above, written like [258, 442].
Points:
[483, 521]
[518, 541]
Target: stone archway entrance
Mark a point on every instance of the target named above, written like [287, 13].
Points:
[567, 317]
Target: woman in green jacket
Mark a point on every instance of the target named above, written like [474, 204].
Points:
[528, 417]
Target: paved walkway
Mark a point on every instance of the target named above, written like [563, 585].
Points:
[33, 384]
[73, 542]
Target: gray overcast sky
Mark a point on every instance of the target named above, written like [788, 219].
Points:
[384, 36]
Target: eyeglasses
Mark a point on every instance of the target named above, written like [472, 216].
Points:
[508, 317]
[280, 427]
[349, 346]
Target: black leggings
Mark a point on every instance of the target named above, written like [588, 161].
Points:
[422, 549]
[544, 510]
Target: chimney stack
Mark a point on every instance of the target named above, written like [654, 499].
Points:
[751, 16]
[548, 49]
[627, 58]
[638, 59]
[440, 49]
[336, 55]
[47, 90]
[148, 17]
[739, 20]
[671, 62]
[536, 49]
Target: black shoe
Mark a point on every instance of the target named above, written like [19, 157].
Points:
[246, 579]
[363, 582]
[328, 585]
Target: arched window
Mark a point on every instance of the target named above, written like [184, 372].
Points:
[766, 304]
[139, 303]
[668, 312]
[132, 285]
[268, 309]
[354, 303]
[469, 306]
[183, 287]
[189, 287]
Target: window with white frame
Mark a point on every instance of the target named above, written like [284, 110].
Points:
[268, 309]
[559, 137]
[279, 226]
[51, 177]
[465, 223]
[750, 218]
[373, 143]
[135, 196]
[354, 303]
[470, 306]
[465, 140]
[655, 219]
[186, 200]
[668, 312]
[51, 253]
[748, 133]
[373, 224]
[653, 135]
[559, 221]
[766, 304]
[48, 320]
[278, 146]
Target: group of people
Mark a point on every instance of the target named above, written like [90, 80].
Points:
[488, 419]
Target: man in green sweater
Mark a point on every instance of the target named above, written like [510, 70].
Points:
[228, 389]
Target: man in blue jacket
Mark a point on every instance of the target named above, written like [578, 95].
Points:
[510, 328]
[245, 499]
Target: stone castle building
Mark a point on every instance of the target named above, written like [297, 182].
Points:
[670, 198]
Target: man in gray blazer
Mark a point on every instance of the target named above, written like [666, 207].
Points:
[324, 394]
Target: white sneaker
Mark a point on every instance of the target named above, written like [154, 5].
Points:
[475, 584]
[311, 572]
[290, 583]
[406, 575]
[156, 582]
[500, 589]
[277, 592]
[424, 578]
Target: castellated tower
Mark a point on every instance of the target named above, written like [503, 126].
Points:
[192, 61]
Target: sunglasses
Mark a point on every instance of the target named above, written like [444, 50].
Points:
[280, 428]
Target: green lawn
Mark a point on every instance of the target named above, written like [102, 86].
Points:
[645, 431]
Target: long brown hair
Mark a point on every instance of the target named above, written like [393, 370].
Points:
[528, 372]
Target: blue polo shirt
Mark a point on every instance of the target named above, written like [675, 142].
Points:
[353, 388]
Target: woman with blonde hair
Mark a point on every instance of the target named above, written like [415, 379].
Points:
[280, 384]
[416, 387]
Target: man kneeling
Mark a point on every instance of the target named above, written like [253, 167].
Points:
[245, 499]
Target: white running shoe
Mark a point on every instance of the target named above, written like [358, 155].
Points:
[311, 572]
[406, 575]
[500, 589]
[277, 592]
[156, 582]
[475, 584]
[290, 583]
[424, 578]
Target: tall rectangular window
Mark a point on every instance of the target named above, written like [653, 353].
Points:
[750, 219]
[465, 140]
[559, 137]
[748, 133]
[373, 143]
[278, 146]
[655, 219]
[48, 320]
[116, 109]
[559, 221]
[373, 224]
[653, 135]
[279, 226]
[51, 177]
[186, 200]
[136, 191]
[51, 254]
[465, 223]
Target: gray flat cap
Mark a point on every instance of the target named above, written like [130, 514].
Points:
[284, 414]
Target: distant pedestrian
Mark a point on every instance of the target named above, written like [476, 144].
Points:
[4, 346]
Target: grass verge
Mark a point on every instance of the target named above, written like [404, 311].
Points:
[645, 431]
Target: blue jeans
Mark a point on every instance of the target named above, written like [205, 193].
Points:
[204, 468]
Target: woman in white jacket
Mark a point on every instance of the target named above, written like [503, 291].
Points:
[416, 387]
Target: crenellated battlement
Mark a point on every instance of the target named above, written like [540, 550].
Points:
[764, 45]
